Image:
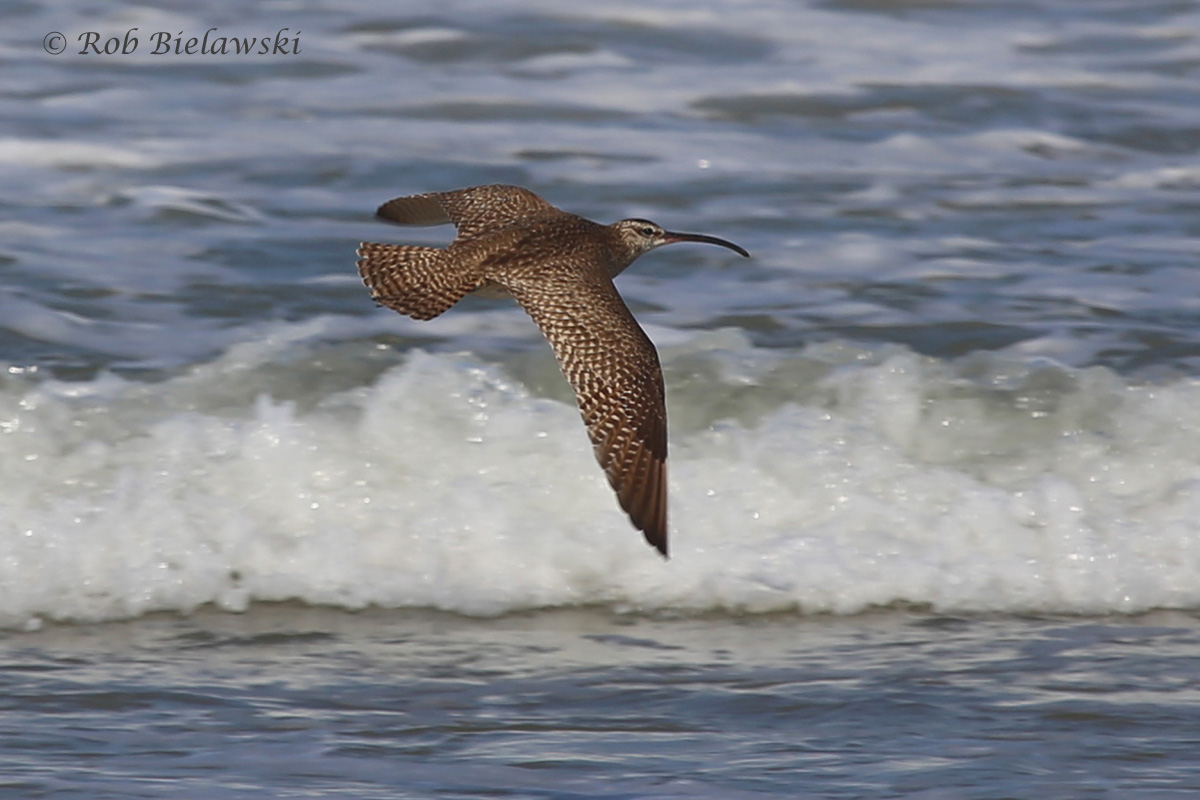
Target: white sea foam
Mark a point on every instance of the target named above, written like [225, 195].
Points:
[826, 482]
[26, 152]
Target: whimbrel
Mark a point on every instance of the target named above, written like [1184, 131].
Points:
[559, 267]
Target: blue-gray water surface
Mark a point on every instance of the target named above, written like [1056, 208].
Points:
[934, 483]
[295, 702]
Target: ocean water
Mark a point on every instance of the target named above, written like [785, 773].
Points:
[935, 449]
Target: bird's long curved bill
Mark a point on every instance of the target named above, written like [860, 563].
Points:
[673, 237]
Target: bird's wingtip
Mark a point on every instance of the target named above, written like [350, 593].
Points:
[417, 209]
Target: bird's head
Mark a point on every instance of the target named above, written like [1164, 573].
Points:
[639, 236]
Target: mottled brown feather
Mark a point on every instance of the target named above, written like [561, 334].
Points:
[412, 280]
[417, 209]
[473, 210]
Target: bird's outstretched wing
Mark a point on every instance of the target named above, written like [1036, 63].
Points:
[615, 372]
[473, 210]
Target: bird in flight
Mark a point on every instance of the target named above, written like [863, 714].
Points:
[560, 268]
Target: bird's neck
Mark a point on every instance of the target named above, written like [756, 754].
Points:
[619, 254]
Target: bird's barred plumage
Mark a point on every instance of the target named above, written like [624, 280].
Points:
[559, 267]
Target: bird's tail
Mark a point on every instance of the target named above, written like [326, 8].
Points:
[417, 281]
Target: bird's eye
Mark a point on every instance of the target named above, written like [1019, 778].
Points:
[648, 231]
